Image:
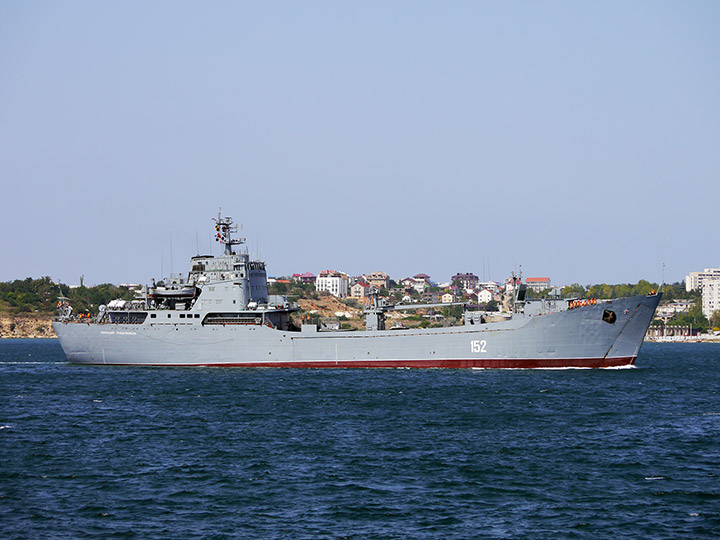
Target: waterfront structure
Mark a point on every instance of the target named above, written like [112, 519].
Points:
[334, 282]
[710, 296]
[222, 315]
[666, 332]
[694, 280]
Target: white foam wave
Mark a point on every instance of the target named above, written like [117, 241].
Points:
[628, 366]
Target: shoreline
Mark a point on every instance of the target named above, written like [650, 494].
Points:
[26, 326]
[704, 339]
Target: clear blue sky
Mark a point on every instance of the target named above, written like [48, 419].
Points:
[580, 140]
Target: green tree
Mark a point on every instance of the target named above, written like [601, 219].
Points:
[693, 317]
[715, 320]
[573, 291]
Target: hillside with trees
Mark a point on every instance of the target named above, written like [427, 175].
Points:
[40, 296]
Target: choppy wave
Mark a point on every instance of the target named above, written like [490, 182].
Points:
[97, 452]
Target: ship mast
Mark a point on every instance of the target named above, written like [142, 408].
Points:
[223, 233]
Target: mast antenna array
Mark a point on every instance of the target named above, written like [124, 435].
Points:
[224, 228]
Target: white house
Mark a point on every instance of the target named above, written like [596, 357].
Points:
[418, 284]
[484, 296]
[492, 286]
[336, 283]
[447, 298]
[360, 289]
[538, 283]
[510, 284]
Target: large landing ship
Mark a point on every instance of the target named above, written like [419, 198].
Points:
[222, 315]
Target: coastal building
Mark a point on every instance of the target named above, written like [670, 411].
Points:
[378, 279]
[467, 281]
[667, 311]
[538, 284]
[307, 277]
[665, 332]
[360, 289]
[130, 286]
[413, 283]
[710, 296]
[509, 285]
[484, 296]
[694, 280]
[447, 298]
[422, 277]
[492, 286]
[334, 282]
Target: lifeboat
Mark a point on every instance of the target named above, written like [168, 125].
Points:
[173, 292]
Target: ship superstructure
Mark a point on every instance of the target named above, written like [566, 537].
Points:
[222, 315]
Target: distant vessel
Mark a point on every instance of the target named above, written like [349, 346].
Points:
[222, 315]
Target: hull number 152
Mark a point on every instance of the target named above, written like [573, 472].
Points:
[478, 345]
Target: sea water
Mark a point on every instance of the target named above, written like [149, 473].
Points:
[129, 452]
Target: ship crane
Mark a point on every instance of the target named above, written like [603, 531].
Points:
[375, 312]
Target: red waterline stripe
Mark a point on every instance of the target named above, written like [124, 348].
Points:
[448, 364]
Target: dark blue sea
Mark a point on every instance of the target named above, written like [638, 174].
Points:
[123, 452]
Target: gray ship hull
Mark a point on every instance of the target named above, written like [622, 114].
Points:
[566, 338]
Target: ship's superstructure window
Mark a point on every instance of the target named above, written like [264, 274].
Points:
[153, 315]
[127, 317]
